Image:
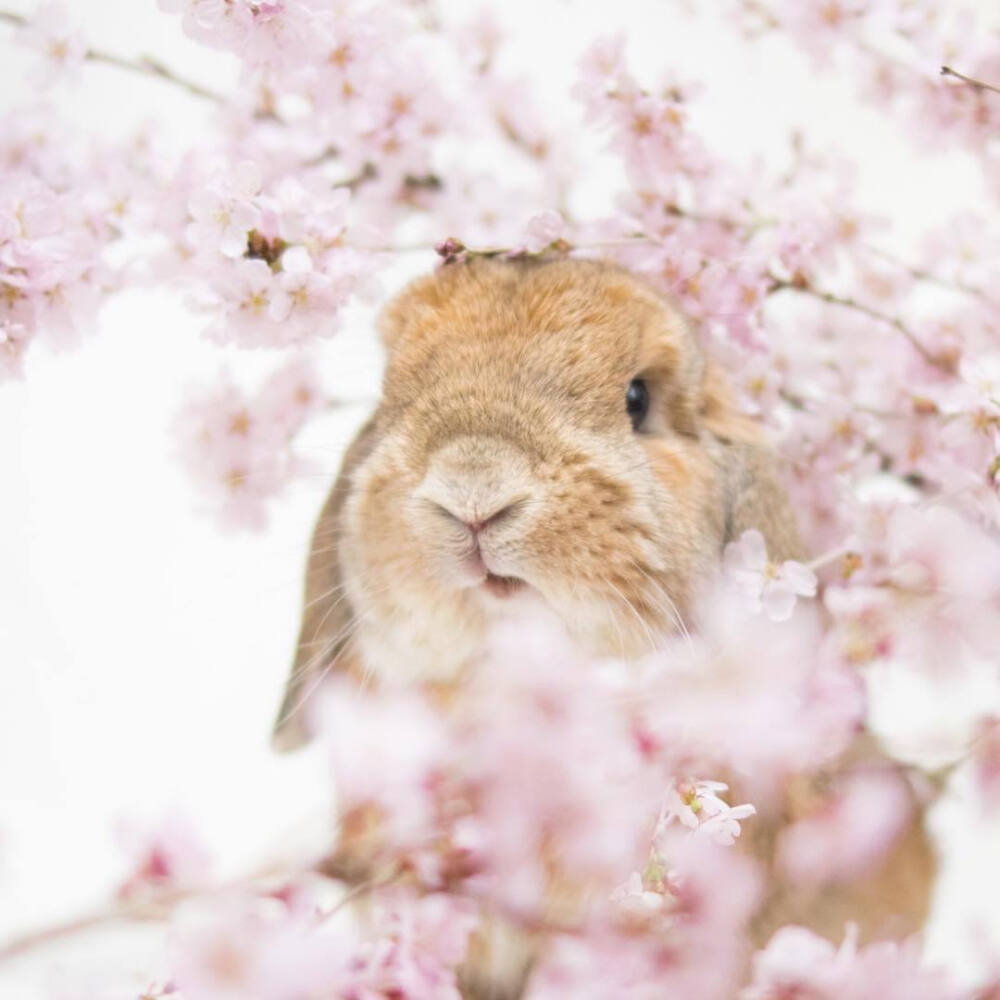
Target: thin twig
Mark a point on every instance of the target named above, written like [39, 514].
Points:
[156, 907]
[366, 173]
[362, 888]
[920, 274]
[145, 65]
[357, 873]
[564, 247]
[971, 81]
[149, 910]
[724, 222]
[938, 361]
[359, 878]
[369, 172]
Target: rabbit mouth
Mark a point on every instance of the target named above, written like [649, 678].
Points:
[502, 586]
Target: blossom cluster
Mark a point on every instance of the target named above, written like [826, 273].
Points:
[239, 446]
[799, 963]
[290, 943]
[517, 807]
[481, 790]
[54, 234]
[506, 806]
[895, 49]
[368, 92]
[274, 270]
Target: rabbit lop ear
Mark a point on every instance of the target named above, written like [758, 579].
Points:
[327, 613]
[750, 472]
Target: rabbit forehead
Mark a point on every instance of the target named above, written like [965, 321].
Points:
[582, 325]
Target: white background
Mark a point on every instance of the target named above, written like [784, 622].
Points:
[141, 651]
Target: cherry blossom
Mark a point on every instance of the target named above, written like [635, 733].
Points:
[797, 962]
[689, 945]
[763, 584]
[851, 833]
[224, 212]
[238, 446]
[710, 704]
[168, 855]
[543, 230]
[57, 41]
[52, 269]
[697, 805]
[986, 763]
[936, 586]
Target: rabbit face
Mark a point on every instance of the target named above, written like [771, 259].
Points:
[550, 434]
[538, 434]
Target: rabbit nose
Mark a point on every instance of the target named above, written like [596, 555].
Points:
[476, 481]
[477, 521]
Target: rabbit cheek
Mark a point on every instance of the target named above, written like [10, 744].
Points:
[589, 552]
[693, 514]
[410, 626]
[688, 474]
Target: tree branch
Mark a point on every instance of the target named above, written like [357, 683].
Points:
[76, 925]
[941, 362]
[971, 81]
[357, 877]
[144, 65]
[157, 906]
[919, 274]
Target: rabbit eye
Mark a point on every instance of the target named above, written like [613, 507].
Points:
[637, 401]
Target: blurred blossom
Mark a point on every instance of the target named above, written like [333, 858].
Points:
[749, 696]
[986, 763]
[59, 44]
[690, 945]
[797, 962]
[238, 446]
[244, 946]
[542, 231]
[168, 855]
[52, 268]
[851, 833]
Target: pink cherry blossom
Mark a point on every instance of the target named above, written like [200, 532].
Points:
[387, 754]
[421, 942]
[224, 211]
[168, 855]
[697, 806]
[763, 584]
[52, 268]
[796, 962]
[58, 42]
[238, 447]
[245, 947]
[213, 22]
[851, 833]
[710, 704]
[986, 763]
[691, 945]
[543, 230]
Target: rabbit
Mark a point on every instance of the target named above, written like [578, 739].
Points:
[549, 430]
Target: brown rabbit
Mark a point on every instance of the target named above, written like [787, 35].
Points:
[550, 428]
